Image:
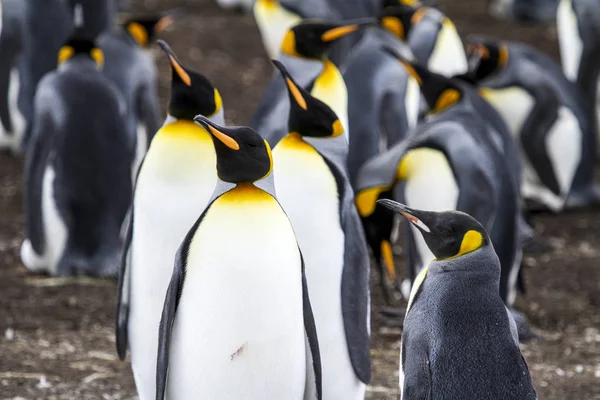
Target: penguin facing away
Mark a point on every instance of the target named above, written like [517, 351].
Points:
[312, 186]
[303, 50]
[131, 66]
[180, 170]
[12, 120]
[459, 340]
[77, 172]
[431, 36]
[546, 114]
[237, 319]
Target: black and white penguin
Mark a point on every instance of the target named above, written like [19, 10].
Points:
[237, 320]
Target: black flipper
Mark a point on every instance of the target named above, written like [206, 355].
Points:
[534, 133]
[10, 46]
[310, 329]
[123, 292]
[417, 372]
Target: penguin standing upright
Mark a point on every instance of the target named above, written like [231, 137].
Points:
[77, 173]
[131, 66]
[237, 320]
[578, 23]
[459, 341]
[303, 50]
[173, 187]
[546, 114]
[312, 186]
[431, 36]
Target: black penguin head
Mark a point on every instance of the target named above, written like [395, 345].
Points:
[393, 3]
[143, 30]
[191, 92]
[78, 45]
[243, 156]
[486, 57]
[312, 38]
[308, 116]
[400, 18]
[448, 234]
[439, 91]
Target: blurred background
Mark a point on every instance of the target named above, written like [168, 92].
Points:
[57, 335]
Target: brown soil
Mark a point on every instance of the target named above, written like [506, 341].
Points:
[56, 336]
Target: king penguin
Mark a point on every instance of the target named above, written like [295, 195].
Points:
[312, 186]
[12, 121]
[130, 65]
[459, 340]
[303, 51]
[237, 320]
[77, 173]
[174, 185]
[539, 11]
[578, 23]
[548, 116]
[431, 36]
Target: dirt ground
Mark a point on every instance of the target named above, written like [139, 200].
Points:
[56, 336]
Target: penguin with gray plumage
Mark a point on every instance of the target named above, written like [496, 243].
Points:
[78, 169]
[547, 114]
[541, 11]
[459, 340]
[237, 320]
[304, 51]
[131, 66]
[312, 186]
[578, 24]
[180, 170]
[431, 36]
[455, 160]
[12, 121]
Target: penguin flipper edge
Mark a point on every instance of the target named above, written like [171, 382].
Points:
[123, 292]
[312, 390]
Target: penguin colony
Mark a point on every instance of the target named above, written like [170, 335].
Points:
[242, 252]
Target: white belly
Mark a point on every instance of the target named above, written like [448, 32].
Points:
[239, 331]
[331, 90]
[308, 193]
[412, 101]
[570, 43]
[13, 140]
[167, 203]
[55, 231]
[448, 57]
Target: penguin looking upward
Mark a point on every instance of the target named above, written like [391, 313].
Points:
[547, 114]
[130, 65]
[180, 170]
[312, 185]
[459, 340]
[304, 52]
[431, 36]
[77, 174]
[237, 320]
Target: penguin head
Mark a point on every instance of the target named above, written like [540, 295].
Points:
[393, 3]
[312, 38]
[79, 45]
[486, 57]
[191, 92]
[243, 156]
[448, 234]
[400, 18]
[439, 91]
[143, 30]
[308, 116]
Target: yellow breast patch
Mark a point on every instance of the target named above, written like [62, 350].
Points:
[418, 161]
[245, 193]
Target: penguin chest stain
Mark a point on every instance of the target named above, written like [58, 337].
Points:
[430, 185]
[330, 88]
[242, 288]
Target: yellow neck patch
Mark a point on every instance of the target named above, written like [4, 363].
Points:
[270, 153]
[98, 56]
[448, 98]
[218, 101]
[395, 26]
[138, 32]
[366, 200]
[418, 15]
[288, 45]
[337, 128]
[65, 53]
[503, 56]
[472, 241]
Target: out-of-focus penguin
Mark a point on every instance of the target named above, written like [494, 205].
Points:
[237, 319]
[131, 66]
[78, 169]
[12, 121]
[303, 51]
[180, 170]
[242, 6]
[523, 10]
[431, 36]
[578, 23]
[459, 340]
[312, 186]
[548, 116]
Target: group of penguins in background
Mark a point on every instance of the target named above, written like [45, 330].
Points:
[245, 273]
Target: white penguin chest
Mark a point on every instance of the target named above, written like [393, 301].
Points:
[239, 330]
[571, 46]
[514, 104]
[448, 57]
[331, 89]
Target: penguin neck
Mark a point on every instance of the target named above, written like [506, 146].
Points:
[266, 184]
[483, 260]
[304, 70]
